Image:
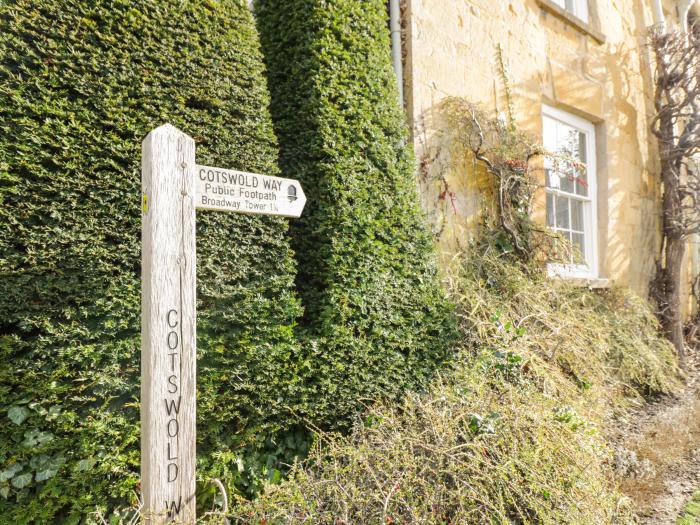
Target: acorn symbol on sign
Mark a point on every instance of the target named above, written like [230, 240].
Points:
[292, 193]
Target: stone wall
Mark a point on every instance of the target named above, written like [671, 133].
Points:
[599, 71]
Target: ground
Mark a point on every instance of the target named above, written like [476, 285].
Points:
[658, 453]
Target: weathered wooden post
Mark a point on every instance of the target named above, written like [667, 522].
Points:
[173, 186]
[168, 328]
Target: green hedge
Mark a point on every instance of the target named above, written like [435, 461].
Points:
[81, 83]
[376, 317]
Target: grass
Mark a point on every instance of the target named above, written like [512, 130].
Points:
[513, 433]
[691, 513]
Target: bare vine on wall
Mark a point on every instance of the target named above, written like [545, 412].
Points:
[507, 155]
[676, 125]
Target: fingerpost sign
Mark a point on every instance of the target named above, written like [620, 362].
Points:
[173, 188]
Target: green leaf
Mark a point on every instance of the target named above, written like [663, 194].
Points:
[43, 475]
[33, 438]
[4, 492]
[40, 461]
[53, 413]
[85, 464]
[10, 471]
[18, 414]
[21, 481]
[73, 519]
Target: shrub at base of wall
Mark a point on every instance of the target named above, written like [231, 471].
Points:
[516, 433]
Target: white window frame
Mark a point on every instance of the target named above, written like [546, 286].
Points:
[578, 8]
[590, 213]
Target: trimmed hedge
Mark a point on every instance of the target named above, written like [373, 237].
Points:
[376, 317]
[81, 83]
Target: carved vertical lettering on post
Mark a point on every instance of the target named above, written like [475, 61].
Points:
[168, 333]
[172, 407]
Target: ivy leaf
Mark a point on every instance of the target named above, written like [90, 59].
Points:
[85, 464]
[40, 461]
[54, 412]
[21, 481]
[47, 467]
[34, 437]
[18, 414]
[5, 492]
[43, 475]
[10, 471]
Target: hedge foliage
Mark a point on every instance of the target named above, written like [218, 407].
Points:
[81, 83]
[376, 317]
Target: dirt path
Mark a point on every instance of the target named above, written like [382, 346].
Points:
[658, 452]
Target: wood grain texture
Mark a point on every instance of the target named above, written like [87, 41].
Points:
[168, 330]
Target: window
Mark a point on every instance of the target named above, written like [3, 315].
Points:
[571, 189]
[578, 8]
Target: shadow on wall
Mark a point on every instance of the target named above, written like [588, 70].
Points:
[455, 189]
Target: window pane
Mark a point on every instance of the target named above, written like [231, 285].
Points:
[549, 133]
[576, 215]
[568, 147]
[567, 174]
[576, 7]
[549, 140]
[562, 212]
[579, 246]
[581, 182]
[582, 9]
[571, 142]
[582, 176]
[582, 147]
[550, 210]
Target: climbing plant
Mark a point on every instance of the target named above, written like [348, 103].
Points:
[676, 125]
[511, 159]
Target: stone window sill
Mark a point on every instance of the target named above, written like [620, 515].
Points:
[563, 14]
[578, 275]
[592, 284]
[597, 283]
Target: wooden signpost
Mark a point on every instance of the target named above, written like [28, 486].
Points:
[173, 188]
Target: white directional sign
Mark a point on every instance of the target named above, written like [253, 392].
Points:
[242, 192]
[173, 187]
